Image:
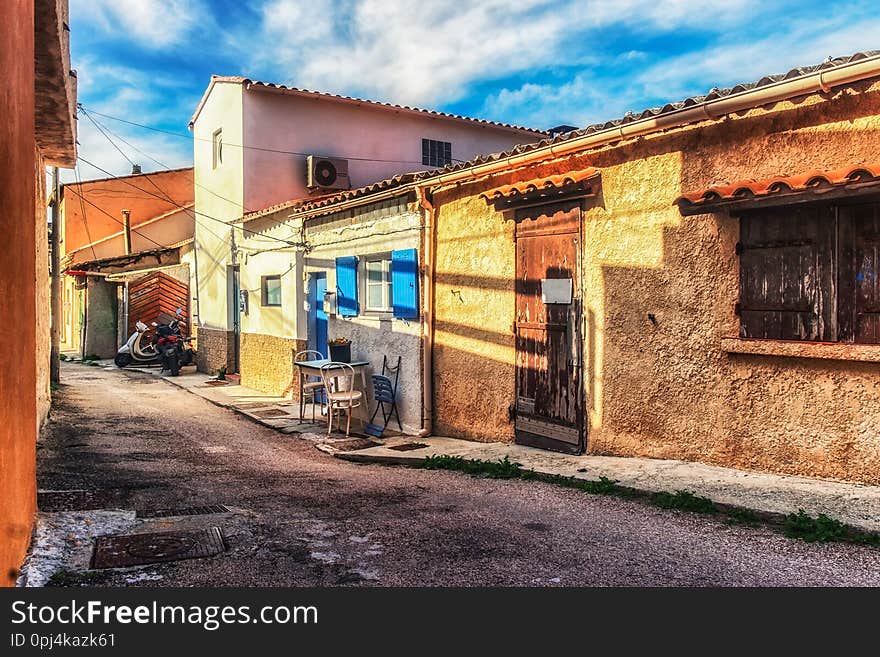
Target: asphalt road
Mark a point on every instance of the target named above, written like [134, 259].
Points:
[302, 517]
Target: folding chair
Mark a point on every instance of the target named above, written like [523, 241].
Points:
[385, 392]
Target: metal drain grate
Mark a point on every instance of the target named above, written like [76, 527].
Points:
[407, 447]
[187, 511]
[141, 549]
[76, 500]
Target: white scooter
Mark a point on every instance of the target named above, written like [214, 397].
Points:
[136, 349]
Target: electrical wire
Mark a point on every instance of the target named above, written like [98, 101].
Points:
[125, 180]
[104, 130]
[254, 148]
[82, 208]
[121, 223]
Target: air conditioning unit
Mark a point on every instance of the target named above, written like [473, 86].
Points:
[327, 172]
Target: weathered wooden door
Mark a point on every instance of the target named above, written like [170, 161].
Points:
[549, 390]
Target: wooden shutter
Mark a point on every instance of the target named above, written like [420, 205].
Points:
[859, 302]
[405, 283]
[787, 274]
[346, 286]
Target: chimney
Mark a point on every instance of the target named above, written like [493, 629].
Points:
[126, 230]
[135, 169]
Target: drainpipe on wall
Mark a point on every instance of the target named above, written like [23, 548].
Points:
[55, 282]
[428, 316]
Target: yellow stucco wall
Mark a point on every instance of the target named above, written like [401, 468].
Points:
[667, 391]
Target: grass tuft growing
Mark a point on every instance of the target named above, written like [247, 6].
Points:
[684, 500]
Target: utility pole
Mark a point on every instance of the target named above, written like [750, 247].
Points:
[55, 284]
[126, 227]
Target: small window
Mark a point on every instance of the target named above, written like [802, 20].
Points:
[378, 283]
[271, 291]
[809, 273]
[217, 141]
[436, 153]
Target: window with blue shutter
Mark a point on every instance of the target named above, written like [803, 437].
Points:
[405, 283]
[347, 286]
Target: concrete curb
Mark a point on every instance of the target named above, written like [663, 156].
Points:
[642, 494]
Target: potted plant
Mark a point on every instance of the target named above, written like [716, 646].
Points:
[340, 350]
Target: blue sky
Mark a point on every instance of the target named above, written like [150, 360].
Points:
[531, 62]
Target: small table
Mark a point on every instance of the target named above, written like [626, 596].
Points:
[313, 368]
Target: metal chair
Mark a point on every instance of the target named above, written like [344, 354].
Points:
[341, 396]
[309, 389]
[385, 392]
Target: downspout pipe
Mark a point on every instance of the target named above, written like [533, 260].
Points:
[710, 110]
[427, 209]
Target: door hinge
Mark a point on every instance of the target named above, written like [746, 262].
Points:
[739, 248]
[737, 308]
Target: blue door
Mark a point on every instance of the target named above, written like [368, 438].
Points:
[318, 336]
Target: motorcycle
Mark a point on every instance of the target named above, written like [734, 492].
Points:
[170, 348]
[175, 351]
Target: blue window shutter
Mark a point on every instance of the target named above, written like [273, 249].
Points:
[346, 286]
[405, 283]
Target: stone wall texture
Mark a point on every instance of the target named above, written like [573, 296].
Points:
[214, 349]
[666, 390]
[267, 364]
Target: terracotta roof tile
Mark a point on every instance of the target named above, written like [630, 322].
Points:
[248, 82]
[558, 181]
[630, 117]
[748, 189]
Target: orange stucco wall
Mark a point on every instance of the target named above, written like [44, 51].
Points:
[19, 180]
[140, 194]
[666, 390]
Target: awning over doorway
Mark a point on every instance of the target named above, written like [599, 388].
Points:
[853, 180]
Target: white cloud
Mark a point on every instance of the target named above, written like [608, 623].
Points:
[429, 53]
[594, 95]
[135, 95]
[155, 23]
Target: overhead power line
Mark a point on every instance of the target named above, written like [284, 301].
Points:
[127, 181]
[253, 148]
[121, 223]
[104, 130]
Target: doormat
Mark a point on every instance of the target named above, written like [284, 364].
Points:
[188, 511]
[407, 447]
[216, 383]
[142, 549]
[269, 412]
[346, 445]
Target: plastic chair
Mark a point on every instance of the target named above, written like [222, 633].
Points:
[385, 392]
[309, 389]
[341, 396]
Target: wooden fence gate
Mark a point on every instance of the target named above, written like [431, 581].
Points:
[156, 298]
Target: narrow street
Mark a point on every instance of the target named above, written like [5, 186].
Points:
[300, 517]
